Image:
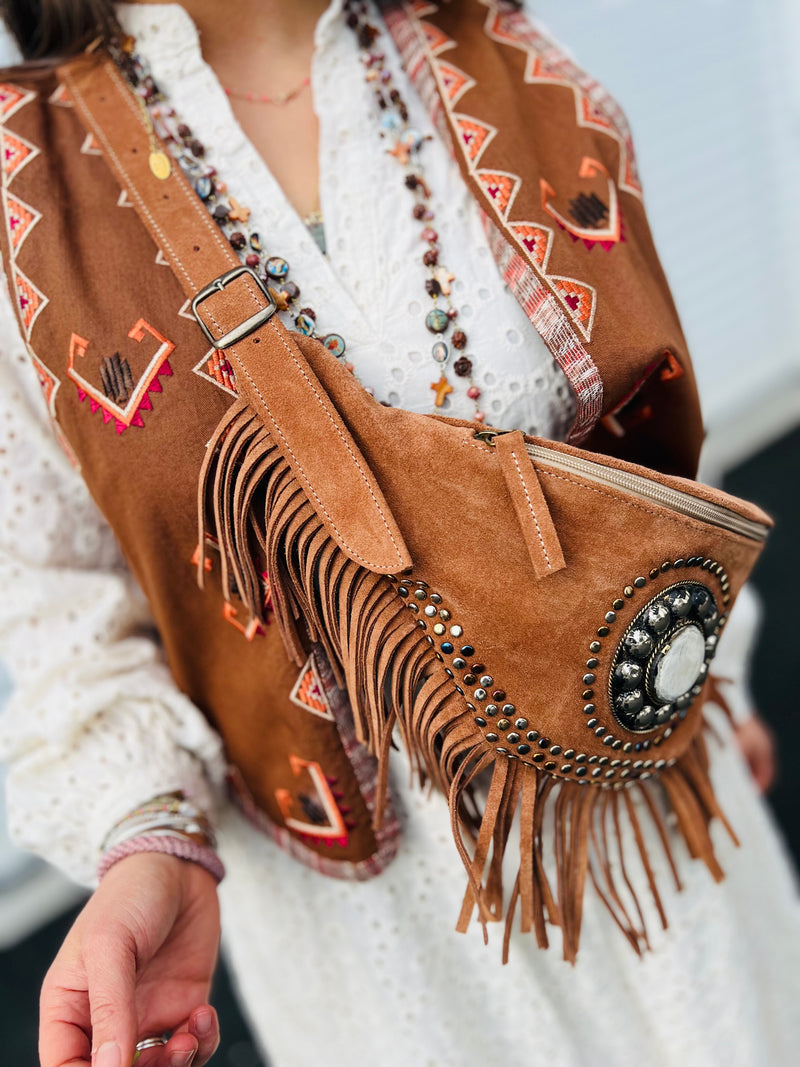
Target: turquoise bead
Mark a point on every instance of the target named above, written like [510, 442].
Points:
[334, 343]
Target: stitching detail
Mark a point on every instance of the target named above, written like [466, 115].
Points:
[640, 507]
[353, 456]
[122, 89]
[125, 94]
[533, 513]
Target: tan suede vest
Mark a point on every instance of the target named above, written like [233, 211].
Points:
[135, 394]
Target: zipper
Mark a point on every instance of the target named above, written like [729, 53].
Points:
[645, 489]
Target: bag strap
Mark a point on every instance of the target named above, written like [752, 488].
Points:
[237, 315]
[530, 505]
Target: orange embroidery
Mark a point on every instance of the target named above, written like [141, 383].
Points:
[324, 820]
[123, 397]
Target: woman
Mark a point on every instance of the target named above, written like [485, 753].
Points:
[329, 970]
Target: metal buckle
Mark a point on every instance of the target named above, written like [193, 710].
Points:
[244, 328]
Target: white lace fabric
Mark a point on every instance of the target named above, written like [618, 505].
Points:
[335, 972]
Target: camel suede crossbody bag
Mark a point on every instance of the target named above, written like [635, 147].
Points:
[521, 611]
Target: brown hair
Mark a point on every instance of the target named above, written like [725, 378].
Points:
[45, 28]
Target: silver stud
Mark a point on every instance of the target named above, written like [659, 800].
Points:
[456, 631]
[480, 694]
[486, 680]
[458, 662]
[521, 724]
[439, 631]
[436, 598]
[420, 594]
[490, 709]
[444, 614]
[430, 610]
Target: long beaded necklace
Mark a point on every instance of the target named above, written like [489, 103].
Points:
[406, 148]
[233, 218]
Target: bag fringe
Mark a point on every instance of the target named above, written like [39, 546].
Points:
[249, 500]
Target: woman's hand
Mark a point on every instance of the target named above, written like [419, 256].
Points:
[758, 748]
[138, 961]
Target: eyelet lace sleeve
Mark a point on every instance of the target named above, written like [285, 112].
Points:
[94, 724]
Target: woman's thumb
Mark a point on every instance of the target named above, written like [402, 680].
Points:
[111, 973]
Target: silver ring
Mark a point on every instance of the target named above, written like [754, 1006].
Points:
[151, 1042]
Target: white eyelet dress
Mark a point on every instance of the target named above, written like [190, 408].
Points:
[334, 972]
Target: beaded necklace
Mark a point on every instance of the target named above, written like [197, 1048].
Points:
[233, 217]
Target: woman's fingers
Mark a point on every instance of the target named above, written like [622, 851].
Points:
[63, 1030]
[758, 747]
[204, 1025]
[110, 961]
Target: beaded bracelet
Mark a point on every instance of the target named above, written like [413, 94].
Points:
[169, 824]
[170, 811]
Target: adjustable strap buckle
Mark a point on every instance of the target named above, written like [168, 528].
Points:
[250, 324]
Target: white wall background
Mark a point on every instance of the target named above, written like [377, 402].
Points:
[712, 91]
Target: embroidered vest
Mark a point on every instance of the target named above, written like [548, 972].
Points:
[135, 393]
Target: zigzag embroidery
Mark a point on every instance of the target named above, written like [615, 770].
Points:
[30, 300]
[500, 188]
[309, 693]
[547, 65]
[61, 97]
[90, 147]
[564, 301]
[580, 300]
[454, 82]
[436, 40]
[475, 136]
[16, 153]
[50, 386]
[215, 368]
[20, 218]
[12, 98]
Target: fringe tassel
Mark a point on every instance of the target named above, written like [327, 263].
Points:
[250, 502]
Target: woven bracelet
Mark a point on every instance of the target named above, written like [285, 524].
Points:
[171, 844]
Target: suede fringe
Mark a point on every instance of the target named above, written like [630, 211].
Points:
[253, 509]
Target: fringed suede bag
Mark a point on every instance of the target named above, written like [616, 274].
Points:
[513, 607]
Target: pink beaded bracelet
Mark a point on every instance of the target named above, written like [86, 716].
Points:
[172, 845]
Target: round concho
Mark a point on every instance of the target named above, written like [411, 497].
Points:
[662, 659]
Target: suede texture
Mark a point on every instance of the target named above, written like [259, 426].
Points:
[383, 494]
